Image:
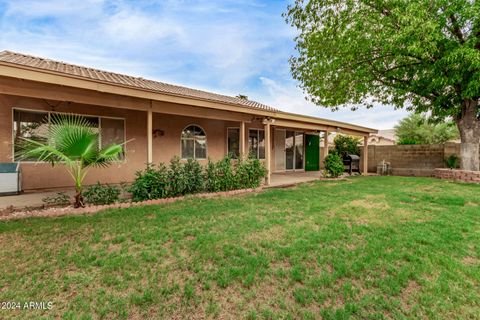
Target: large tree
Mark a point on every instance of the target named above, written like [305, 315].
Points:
[423, 55]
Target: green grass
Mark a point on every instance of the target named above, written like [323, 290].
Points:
[368, 247]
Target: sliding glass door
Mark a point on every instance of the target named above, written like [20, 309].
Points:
[299, 150]
[294, 152]
[289, 150]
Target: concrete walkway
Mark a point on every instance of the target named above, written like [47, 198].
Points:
[31, 199]
[287, 179]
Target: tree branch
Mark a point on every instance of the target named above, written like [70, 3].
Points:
[456, 29]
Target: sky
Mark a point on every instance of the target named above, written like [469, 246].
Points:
[225, 46]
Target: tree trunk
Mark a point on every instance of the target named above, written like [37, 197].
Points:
[79, 202]
[469, 126]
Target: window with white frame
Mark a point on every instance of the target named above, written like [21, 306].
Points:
[33, 125]
[256, 143]
[194, 143]
[233, 142]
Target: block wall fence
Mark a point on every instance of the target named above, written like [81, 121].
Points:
[412, 160]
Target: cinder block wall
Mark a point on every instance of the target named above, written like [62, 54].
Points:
[412, 160]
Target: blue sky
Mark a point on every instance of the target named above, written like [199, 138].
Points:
[225, 46]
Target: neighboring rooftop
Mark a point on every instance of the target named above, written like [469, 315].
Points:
[122, 79]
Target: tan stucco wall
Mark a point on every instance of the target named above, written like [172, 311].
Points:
[43, 176]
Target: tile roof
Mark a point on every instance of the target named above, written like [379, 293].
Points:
[123, 80]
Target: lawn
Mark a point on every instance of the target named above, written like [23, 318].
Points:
[366, 247]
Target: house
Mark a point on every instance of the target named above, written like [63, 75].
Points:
[161, 120]
[385, 137]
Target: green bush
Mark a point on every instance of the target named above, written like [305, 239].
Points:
[181, 178]
[177, 182]
[220, 176]
[150, 183]
[100, 194]
[452, 162]
[212, 179]
[333, 165]
[194, 176]
[250, 173]
[346, 145]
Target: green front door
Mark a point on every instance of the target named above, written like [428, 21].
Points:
[312, 152]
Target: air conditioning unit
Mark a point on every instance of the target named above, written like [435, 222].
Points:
[10, 178]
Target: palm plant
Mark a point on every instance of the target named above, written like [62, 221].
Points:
[70, 140]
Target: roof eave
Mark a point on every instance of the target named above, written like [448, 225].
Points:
[108, 87]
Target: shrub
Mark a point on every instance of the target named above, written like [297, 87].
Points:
[220, 176]
[452, 161]
[194, 176]
[346, 145]
[212, 179]
[181, 178]
[60, 199]
[250, 173]
[226, 175]
[99, 194]
[177, 182]
[333, 165]
[150, 183]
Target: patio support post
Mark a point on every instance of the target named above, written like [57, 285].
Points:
[267, 151]
[325, 145]
[149, 136]
[242, 141]
[365, 155]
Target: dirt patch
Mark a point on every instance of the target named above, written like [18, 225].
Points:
[371, 202]
[406, 296]
[274, 233]
[470, 261]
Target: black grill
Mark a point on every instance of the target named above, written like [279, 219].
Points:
[351, 162]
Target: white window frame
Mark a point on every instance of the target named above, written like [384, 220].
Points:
[258, 139]
[193, 139]
[239, 137]
[49, 115]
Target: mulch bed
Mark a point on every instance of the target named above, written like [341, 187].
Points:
[12, 214]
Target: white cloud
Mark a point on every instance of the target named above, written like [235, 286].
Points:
[234, 46]
[288, 97]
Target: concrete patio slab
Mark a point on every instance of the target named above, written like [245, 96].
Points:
[286, 179]
[31, 199]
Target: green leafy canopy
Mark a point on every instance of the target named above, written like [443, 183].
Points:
[416, 129]
[419, 54]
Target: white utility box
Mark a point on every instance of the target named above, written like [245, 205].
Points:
[10, 178]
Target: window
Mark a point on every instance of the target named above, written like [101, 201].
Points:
[31, 125]
[256, 142]
[233, 142]
[194, 143]
[112, 131]
[34, 125]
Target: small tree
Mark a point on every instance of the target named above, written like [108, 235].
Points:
[70, 141]
[346, 145]
[416, 129]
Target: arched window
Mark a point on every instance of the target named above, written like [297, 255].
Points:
[194, 143]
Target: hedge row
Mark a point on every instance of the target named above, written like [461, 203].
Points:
[181, 178]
